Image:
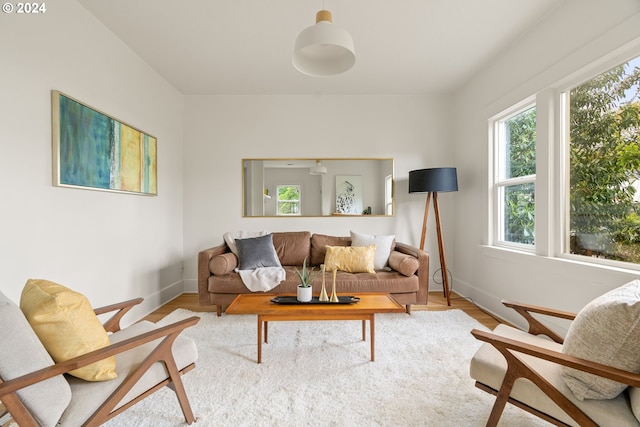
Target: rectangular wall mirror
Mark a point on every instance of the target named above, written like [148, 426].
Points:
[317, 187]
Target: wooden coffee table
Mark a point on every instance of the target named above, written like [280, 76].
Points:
[267, 311]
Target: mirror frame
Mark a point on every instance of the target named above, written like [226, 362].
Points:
[304, 162]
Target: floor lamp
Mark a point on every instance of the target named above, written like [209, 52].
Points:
[432, 181]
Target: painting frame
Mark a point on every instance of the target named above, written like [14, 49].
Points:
[93, 150]
[349, 194]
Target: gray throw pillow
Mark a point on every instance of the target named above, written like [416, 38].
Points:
[607, 331]
[257, 252]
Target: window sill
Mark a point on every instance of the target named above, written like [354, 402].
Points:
[514, 254]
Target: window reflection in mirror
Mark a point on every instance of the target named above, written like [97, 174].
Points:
[317, 187]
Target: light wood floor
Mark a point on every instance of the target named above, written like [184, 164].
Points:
[437, 302]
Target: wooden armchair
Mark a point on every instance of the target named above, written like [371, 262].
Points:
[36, 393]
[525, 369]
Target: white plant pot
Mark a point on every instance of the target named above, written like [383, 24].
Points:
[304, 294]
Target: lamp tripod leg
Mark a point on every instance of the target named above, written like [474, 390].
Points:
[443, 259]
[424, 222]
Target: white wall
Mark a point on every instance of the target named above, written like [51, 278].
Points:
[108, 246]
[576, 34]
[222, 130]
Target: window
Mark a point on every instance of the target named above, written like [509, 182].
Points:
[565, 168]
[388, 195]
[289, 197]
[604, 165]
[514, 142]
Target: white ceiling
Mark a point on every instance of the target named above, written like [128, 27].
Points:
[245, 46]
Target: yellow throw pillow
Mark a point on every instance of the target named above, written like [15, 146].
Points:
[67, 326]
[352, 259]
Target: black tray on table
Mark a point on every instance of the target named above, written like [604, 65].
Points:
[315, 300]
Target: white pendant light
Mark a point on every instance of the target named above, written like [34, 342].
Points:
[317, 169]
[323, 49]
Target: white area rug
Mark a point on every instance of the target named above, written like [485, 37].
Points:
[320, 374]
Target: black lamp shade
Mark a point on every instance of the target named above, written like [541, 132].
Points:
[433, 180]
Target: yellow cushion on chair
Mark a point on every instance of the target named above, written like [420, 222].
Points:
[67, 326]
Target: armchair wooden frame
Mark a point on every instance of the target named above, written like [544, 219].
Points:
[162, 353]
[516, 368]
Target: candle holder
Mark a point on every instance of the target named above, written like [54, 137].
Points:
[323, 292]
[334, 295]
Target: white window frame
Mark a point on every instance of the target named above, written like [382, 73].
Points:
[278, 201]
[388, 194]
[497, 184]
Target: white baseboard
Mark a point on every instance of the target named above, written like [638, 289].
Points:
[190, 285]
[502, 313]
[152, 302]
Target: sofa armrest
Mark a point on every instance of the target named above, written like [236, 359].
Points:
[423, 269]
[204, 257]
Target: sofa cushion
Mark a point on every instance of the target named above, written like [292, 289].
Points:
[403, 263]
[352, 259]
[223, 263]
[319, 243]
[607, 331]
[383, 246]
[292, 247]
[22, 352]
[67, 326]
[256, 252]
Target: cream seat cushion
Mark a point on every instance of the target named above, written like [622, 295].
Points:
[87, 397]
[67, 326]
[488, 366]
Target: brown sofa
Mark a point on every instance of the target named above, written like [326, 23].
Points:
[406, 278]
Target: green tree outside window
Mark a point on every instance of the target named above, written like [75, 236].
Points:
[605, 165]
[289, 200]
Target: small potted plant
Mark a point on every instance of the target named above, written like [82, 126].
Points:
[307, 275]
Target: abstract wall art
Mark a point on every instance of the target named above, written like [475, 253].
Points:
[93, 150]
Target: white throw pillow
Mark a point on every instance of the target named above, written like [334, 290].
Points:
[607, 331]
[383, 246]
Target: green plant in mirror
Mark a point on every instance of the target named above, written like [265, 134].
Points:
[306, 275]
